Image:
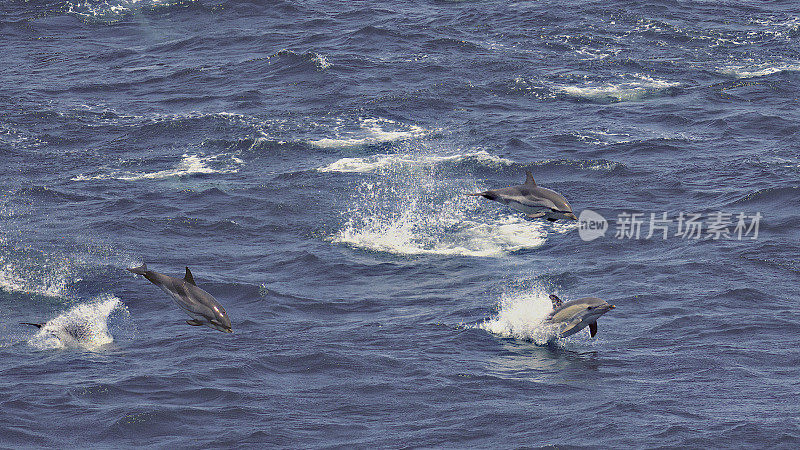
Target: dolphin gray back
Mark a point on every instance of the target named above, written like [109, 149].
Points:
[530, 193]
[586, 301]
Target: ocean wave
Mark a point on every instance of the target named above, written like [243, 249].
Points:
[383, 161]
[370, 131]
[636, 87]
[111, 10]
[759, 69]
[320, 61]
[85, 325]
[188, 166]
[479, 159]
[769, 198]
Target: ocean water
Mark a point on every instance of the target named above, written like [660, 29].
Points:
[308, 161]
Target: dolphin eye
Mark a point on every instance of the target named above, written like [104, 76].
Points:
[590, 307]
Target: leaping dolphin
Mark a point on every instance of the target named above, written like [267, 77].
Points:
[199, 304]
[575, 315]
[533, 200]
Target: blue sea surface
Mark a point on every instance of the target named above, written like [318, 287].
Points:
[308, 160]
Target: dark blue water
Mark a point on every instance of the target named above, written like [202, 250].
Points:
[307, 160]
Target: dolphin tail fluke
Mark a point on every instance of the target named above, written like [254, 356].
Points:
[141, 270]
[556, 301]
[475, 194]
[37, 325]
[593, 328]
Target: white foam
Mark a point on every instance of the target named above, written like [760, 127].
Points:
[321, 61]
[415, 233]
[107, 8]
[591, 54]
[759, 70]
[629, 90]
[188, 166]
[602, 137]
[84, 325]
[371, 131]
[521, 316]
[382, 161]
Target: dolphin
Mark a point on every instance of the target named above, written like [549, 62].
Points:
[533, 200]
[199, 304]
[575, 315]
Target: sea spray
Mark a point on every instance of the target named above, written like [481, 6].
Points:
[408, 209]
[85, 325]
[521, 315]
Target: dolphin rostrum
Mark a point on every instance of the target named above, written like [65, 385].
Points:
[533, 200]
[575, 315]
[199, 304]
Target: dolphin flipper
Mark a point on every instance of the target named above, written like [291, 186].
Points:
[194, 323]
[593, 328]
[37, 325]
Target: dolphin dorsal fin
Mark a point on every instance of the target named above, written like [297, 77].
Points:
[188, 277]
[556, 301]
[593, 328]
[529, 178]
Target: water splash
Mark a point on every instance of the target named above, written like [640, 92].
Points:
[85, 325]
[521, 315]
[48, 277]
[409, 210]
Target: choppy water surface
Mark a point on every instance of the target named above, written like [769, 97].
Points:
[308, 161]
